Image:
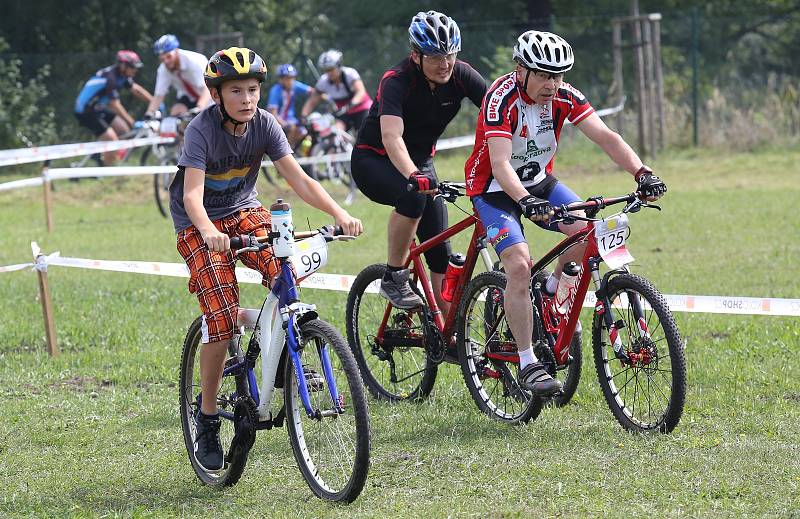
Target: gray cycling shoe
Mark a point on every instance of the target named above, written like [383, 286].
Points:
[535, 378]
[398, 291]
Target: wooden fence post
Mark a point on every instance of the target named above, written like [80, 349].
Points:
[47, 307]
[48, 196]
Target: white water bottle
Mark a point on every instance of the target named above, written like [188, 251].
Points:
[567, 286]
[283, 242]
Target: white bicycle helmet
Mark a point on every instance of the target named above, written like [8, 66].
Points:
[329, 59]
[434, 33]
[539, 50]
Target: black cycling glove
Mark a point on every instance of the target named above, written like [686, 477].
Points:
[422, 182]
[650, 185]
[535, 208]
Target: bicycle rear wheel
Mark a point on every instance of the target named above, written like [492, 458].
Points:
[161, 181]
[483, 340]
[331, 448]
[647, 394]
[397, 366]
[189, 401]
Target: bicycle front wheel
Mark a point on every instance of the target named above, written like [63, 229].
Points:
[190, 405]
[395, 366]
[487, 352]
[332, 446]
[646, 394]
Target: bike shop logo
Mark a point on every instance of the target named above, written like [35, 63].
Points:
[498, 94]
[531, 151]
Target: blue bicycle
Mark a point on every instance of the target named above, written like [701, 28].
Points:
[323, 403]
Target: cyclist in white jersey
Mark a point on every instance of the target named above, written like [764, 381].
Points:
[343, 86]
[183, 70]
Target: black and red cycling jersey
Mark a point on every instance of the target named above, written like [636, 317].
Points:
[404, 92]
[508, 112]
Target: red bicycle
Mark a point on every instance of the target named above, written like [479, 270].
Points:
[638, 351]
[399, 351]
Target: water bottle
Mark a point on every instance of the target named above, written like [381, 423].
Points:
[283, 242]
[567, 285]
[454, 267]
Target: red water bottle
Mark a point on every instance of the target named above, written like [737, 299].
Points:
[454, 266]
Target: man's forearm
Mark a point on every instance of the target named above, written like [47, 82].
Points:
[398, 154]
[509, 181]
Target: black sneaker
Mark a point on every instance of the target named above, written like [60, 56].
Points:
[398, 290]
[207, 446]
[535, 378]
[314, 381]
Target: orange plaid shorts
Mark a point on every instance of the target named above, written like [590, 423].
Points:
[212, 275]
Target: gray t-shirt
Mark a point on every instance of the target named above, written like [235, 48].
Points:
[231, 163]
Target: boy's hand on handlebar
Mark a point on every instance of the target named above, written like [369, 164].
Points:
[215, 240]
[536, 209]
[351, 226]
[424, 183]
[650, 185]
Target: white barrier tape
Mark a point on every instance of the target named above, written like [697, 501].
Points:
[25, 182]
[110, 171]
[343, 282]
[60, 151]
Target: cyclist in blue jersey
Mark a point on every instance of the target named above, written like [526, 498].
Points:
[98, 106]
[281, 102]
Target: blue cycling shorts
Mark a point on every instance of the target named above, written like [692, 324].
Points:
[502, 217]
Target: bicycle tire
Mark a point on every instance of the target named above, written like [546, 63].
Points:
[491, 383]
[309, 435]
[672, 384]
[189, 403]
[363, 317]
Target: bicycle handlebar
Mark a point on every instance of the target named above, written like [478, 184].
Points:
[635, 201]
[259, 242]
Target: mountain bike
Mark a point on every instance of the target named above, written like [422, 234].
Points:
[323, 401]
[638, 351]
[399, 351]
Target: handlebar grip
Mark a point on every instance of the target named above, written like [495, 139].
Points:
[240, 242]
[412, 187]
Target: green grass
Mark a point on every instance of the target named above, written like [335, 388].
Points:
[96, 432]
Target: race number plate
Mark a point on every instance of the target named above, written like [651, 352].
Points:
[611, 234]
[312, 255]
[169, 127]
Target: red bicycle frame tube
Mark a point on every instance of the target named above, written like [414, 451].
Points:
[415, 257]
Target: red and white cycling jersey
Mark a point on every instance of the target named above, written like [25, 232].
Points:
[508, 112]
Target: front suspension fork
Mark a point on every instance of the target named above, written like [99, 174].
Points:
[603, 307]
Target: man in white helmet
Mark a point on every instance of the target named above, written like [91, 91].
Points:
[510, 174]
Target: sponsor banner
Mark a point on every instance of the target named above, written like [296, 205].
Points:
[60, 151]
[343, 282]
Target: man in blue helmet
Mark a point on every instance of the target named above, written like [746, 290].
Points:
[415, 102]
[282, 99]
[183, 70]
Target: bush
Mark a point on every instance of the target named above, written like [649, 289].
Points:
[25, 118]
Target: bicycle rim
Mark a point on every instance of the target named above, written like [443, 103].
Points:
[492, 383]
[331, 449]
[189, 401]
[397, 368]
[649, 394]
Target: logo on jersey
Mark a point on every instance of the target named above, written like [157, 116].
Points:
[531, 151]
[496, 234]
[493, 104]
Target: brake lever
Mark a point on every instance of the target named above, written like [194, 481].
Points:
[248, 249]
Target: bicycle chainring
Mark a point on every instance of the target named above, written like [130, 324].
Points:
[245, 418]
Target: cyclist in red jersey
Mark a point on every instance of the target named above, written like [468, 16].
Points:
[416, 100]
[510, 173]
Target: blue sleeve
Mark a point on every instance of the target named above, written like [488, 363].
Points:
[301, 88]
[274, 99]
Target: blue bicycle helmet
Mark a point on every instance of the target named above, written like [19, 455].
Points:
[287, 69]
[166, 43]
[434, 33]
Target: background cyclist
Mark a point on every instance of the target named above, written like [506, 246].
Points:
[213, 197]
[417, 99]
[98, 106]
[510, 173]
[183, 70]
[282, 99]
[342, 85]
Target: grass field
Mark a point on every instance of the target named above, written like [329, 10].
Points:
[96, 432]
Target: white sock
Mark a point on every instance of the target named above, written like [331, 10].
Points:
[526, 357]
[551, 284]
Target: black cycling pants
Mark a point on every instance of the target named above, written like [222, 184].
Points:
[379, 180]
